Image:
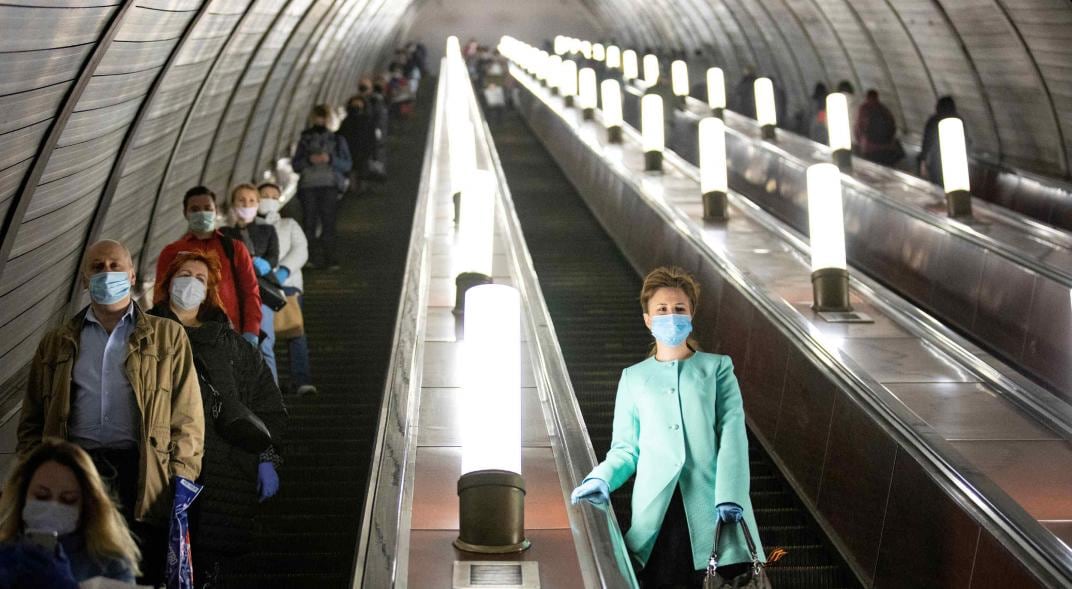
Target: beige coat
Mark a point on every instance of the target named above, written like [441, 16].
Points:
[160, 368]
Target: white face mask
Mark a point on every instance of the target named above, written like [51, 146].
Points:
[50, 516]
[268, 206]
[245, 214]
[187, 292]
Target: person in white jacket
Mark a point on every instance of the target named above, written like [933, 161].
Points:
[293, 253]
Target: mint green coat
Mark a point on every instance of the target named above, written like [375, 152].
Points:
[682, 423]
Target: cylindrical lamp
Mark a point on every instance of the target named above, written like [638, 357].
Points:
[554, 73]
[586, 49]
[453, 46]
[561, 44]
[567, 81]
[679, 81]
[716, 91]
[476, 234]
[954, 151]
[599, 52]
[543, 68]
[714, 184]
[612, 109]
[837, 128]
[630, 66]
[587, 92]
[614, 57]
[652, 132]
[826, 228]
[651, 70]
[491, 491]
[766, 112]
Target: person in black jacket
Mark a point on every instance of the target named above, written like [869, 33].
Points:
[263, 245]
[221, 522]
[929, 161]
[359, 130]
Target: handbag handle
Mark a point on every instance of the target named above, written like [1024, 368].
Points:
[712, 562]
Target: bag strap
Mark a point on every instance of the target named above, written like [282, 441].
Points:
[712, 562]
[228, 249]
[202, 375]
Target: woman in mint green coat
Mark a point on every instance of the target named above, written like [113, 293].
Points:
[679, 426]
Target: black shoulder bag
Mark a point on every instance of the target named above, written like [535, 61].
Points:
[753, 578]
[233, 420]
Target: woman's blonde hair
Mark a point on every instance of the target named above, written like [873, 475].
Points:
[671, 277]
[105, 531]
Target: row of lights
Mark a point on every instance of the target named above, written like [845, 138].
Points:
[830, 277]
[491, 490]
[952, 144]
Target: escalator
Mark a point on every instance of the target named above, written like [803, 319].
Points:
[592, 294]
[307, 534]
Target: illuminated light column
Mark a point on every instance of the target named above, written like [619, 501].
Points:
[543, 68]
[561, 45]
[716, 91]
[476, 234]
[714, 184]
[652, 132]
[679, 82]
[837, 129]
[567, 81]
[462, 142]
[614, 57]
[651, 70]
[766, 112]
[630, 66]
[955, 178]
[554, 72]
[587, 94]
[599, 52]
[491, 490]
[586, 49]
[826, 228]
[453, 46]
[612, 109]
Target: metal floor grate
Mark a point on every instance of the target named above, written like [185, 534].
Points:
[496, 575]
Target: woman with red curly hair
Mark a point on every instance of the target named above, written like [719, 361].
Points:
[235, 480]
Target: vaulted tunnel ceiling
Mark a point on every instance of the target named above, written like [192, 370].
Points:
[110, 109]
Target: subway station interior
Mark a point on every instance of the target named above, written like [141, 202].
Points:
[891, 279]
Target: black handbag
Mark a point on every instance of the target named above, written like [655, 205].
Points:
[755, 577]
[234, 422]
[272, 293]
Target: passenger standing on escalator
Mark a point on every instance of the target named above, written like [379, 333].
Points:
[261, 241]
[323, 161]
[234, 479]
[679, 426]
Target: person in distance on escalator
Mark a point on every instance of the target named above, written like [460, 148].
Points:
[221, 520]
[679, 426]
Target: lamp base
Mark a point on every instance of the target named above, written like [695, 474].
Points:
[679, 102]
[614, 134]
[588, 114]
[715, 206]
[843, 159]
[543, 83]
[554, 91]
[653, 161]
[718, 113]
[464, 282]
[958, 203]
[569, 102]
[457, 198]
[491, 510]
[830, 290]
[768, 132]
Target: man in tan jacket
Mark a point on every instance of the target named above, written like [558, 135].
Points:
[121, 384]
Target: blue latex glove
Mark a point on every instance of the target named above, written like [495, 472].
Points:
[730, 512]
[267, 481]
[261, 266]
[594, 491]
[253, 339]
[36, 567]
[281, 274]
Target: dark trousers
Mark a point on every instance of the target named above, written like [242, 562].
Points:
[119, 470]
[299, 349]
[320, 208]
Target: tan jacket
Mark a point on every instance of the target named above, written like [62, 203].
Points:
[160, 368]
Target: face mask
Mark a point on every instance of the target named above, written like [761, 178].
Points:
[50, 516]
[187, 292]
[671, 330]
[268, 206]
[245, 214]
[106, 288]
[202, 221]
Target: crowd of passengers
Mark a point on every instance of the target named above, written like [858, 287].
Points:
[875, 135]
[126, 403]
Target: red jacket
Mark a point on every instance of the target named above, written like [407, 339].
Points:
[246, 283]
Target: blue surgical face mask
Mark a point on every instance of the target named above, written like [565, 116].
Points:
[671, 330]
[107, 288]
[202, 221]
[187, 292]
[50, 516]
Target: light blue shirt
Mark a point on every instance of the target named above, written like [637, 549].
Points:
[104, 412]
